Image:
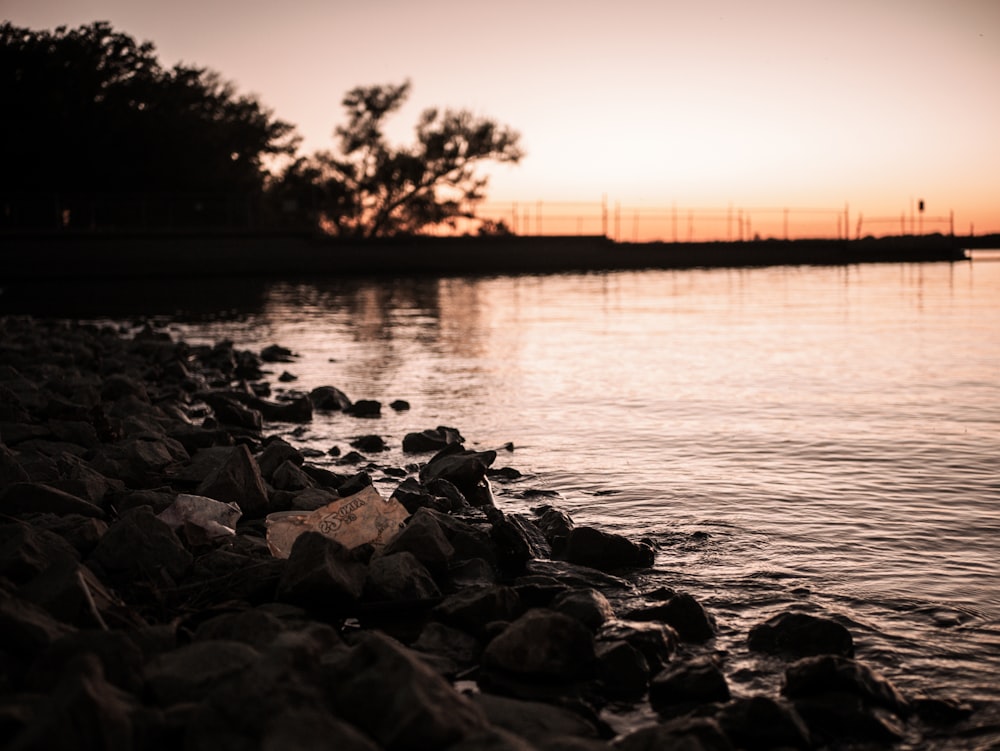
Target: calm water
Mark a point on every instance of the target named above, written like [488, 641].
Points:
[835, 431]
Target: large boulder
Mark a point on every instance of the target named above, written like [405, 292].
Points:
[656, 641]
[587, 605]
[684, 613]
[329, 399]
[800, 635]
[760, 723]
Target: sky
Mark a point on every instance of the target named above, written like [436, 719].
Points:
[862, 107]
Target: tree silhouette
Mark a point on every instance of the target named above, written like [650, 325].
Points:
[373, 189]
[90, 111]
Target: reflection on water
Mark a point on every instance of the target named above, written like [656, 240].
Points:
[835, 431]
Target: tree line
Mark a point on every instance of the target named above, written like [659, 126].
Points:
[91, 114]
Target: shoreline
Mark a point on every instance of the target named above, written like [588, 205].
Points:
[167, 633]
[38, 256]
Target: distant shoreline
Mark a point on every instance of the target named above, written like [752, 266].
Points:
[131, 254]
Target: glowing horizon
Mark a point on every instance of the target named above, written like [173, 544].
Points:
[777, 104]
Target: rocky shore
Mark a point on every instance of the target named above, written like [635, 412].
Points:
[149, 601]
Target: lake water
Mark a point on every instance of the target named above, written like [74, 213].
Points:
[834, 430]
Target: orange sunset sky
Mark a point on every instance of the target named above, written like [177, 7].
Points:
[873, 104]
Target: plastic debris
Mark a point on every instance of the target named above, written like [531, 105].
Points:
[364, 517]
[200, 517]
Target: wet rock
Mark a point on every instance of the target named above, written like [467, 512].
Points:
[140, 549]
[371, 444]
[940, 711]
[298, 410]
[329, 398]
[33, 497]
[588, 606]
[622, 669]
[573, 575]
[466, 470]
[189, 673]
[237, 480]
[606, 551]
[683, 613]
[431, 440]
[556, 525]
[800, 635]
[517, 541]
[758, 723]
[364, 408]
[696, 681]
[544, 644]
[817, 675]
[399, 577]
[276, 353]
[687, 733]
[657, 642]
[380, 679]
[235, 415]
[320, 574]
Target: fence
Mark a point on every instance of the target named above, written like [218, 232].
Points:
[685, 224]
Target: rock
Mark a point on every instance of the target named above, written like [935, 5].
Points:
[33, 497]
[543, 644]
[605, 551]
[494, 739]
[573, 575]
[82, 711]
[800, 635]
[839, 717]
[238, 481]
[532, 720]
[588, 606]
[399, 577]
[139, 549]
[463, 469]
[27, 628]
[696, 681]
[190, 673]
[72, 593]
[431, 440]
[448, 650]
[825, 673]
[329, 398]
[276, 353]
[236, 415]
[517, 541]
[371, 444]
[556, 525]
[320, 574]
[380, 679]
[364, 408]
[622, 670]
[471, 609]
[276, 453]
[298, 410]
[26, 551]
[252, 626]
[312, 730]
[758, 723]
[120, 659]
[425, 539]
[683, 613]
[656, 641]
[118, 386]
[683, 734]
[289, 476]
